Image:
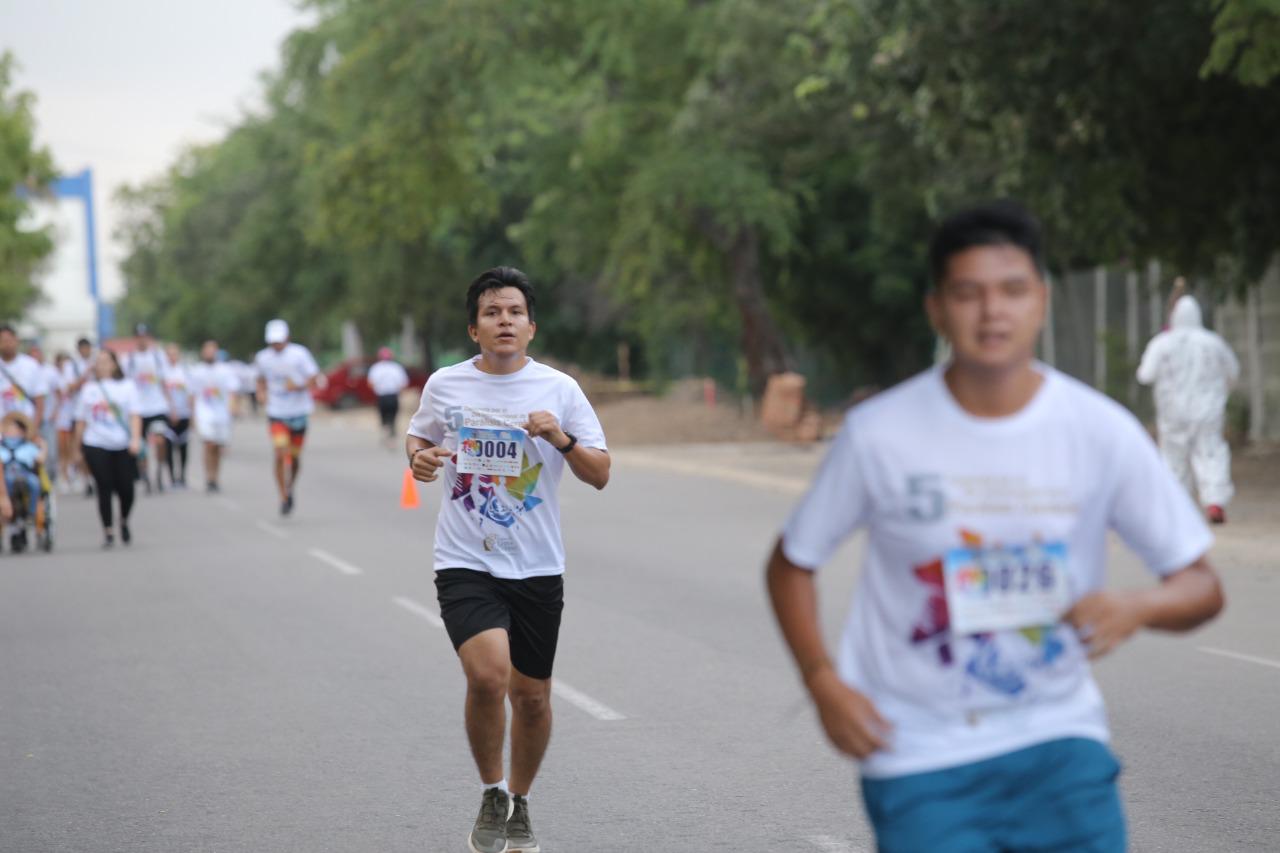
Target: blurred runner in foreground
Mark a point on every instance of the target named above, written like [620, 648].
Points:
[987, 486]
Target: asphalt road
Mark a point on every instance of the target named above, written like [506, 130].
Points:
[238, 682]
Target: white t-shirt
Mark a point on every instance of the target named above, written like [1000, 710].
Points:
[178, 382]
[292, 365]
[104, 427]
[506, 526]
[31, 382]
[387, 377]
[926, 479]
[147, 370]
[213, 385]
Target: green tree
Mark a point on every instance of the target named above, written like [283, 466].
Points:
[26, 169]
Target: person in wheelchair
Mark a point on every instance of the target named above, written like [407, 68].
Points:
[24, 478]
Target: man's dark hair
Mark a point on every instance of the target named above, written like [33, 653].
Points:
[997, 223]
[496, 279]
[84, 342]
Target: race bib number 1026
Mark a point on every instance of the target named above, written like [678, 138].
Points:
[995, 589]
[498, 452]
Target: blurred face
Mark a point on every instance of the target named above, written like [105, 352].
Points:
[209, 352]
[280, 346]
[85, 350]
[104, 366]
[173, 353]
[143, 342]
[8, 345]
[13, 429]
[990, 306]
[35, 353]
[502, 326]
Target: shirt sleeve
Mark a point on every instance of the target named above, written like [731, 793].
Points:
[581, 420]
[1150, 509]
[308, 364]
[130, 403]
[836, 505]
[81, 411]
[424, 423]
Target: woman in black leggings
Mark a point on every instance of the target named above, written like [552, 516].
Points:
[109, 435]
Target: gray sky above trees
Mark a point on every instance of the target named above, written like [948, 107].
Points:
[123, 85]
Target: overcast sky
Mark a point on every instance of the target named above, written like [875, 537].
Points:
[123, 85]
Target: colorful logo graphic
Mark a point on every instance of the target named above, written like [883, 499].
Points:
[501, 500]
[1002, 661]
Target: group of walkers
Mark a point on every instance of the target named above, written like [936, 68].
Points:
[986, 486]
[113, 420]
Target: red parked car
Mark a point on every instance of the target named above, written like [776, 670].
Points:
[348, 384]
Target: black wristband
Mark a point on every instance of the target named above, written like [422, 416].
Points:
[573, 442]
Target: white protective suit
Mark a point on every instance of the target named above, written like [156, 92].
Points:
[1193, 370]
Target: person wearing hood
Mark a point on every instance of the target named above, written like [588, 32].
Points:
[1192, 370]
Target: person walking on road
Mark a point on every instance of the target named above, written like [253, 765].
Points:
[177, 435]
[986, 486]
[287, 374]
[214, 386]
[387, 378]
[1193, 370]
[145, 366]
[500, 429]
[23, 383]
[109, 435]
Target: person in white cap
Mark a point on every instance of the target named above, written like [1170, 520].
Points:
[387, 378]
[287, 374]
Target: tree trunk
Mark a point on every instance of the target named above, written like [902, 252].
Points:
[761, 343]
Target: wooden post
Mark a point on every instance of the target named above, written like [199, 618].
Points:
[1049, 343]
[1253, 356]
[1153, 294]
[1100, 329]
[1131, 333]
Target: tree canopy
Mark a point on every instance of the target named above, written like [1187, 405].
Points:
[26, 170]
[730, 187]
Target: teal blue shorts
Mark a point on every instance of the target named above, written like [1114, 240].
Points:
[1055, 796]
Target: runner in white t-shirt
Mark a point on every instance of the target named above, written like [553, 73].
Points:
[146, 367]
[387, 378]
[23, 383]
[986, 487]
[500, 428]
[214, 385]
[287, 374]
[75, 371]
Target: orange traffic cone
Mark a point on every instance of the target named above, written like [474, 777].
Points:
[409, 491]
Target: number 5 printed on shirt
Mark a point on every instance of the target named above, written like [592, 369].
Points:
[925, 499]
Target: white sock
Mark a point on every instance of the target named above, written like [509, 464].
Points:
[501, 785]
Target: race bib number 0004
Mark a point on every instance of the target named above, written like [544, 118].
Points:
[498, 452]
[995, 589]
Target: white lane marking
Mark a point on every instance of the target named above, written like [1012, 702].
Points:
[772, 482]
[829, 844]
[230, 504]
[267, 527]
[585, 703]
[337, 562]
[1238, 656]
[419, 610]
[572, 695]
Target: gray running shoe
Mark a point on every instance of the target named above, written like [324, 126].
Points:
[490, 832]
[519, 832]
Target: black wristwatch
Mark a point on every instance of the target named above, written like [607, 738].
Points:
[573, 442]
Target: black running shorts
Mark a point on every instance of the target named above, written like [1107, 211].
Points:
[528, 610]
